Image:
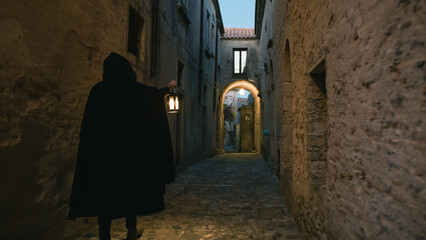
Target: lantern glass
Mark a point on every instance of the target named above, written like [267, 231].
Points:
[173, 103]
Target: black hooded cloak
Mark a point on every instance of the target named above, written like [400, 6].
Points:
[125, 154]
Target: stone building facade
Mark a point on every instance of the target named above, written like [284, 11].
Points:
[341, 85]
[239, 69]
[52, 54]
[268, 85]
[188, 46]
[212, 31]
[351, 76]
[239, 39]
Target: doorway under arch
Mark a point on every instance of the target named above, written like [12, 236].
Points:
[257, 120]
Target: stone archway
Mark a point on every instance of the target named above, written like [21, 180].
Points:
[257, 120]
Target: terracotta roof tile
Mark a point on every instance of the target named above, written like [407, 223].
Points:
[231, 33]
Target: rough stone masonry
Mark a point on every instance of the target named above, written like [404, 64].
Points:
[357, 71]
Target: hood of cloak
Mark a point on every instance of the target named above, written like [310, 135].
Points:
[116, 67]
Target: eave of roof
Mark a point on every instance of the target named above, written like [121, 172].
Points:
[239, 33]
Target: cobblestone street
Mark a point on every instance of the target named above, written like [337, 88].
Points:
[231, 196]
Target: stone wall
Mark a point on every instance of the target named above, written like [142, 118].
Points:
[52, 54]
[249, 82]
[179, 55]
[269, 87]
[213, 30]
[227, 61]
[178, 41]
[352, 77]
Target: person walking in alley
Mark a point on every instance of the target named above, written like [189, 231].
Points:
[125, 155]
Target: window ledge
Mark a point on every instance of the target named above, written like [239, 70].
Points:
[234, 75]
[183, 13]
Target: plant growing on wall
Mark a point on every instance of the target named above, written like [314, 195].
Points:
[228, 113]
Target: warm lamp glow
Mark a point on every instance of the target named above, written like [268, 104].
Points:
[242, 91]
[173, 103]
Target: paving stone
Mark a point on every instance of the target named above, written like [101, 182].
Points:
[230, 196]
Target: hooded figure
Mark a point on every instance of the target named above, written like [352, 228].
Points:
[125, 155]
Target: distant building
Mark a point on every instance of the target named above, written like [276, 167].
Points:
[234, 102]
[239, 56]
[239, 63]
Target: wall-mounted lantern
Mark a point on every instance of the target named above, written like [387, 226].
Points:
[173, 102]
[242, 91]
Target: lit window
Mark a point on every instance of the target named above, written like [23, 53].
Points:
[240, 62]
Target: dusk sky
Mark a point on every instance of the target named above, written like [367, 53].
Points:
[237, 13]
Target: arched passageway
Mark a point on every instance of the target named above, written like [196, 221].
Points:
[257, 120]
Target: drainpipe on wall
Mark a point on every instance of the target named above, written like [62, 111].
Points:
[215, 80]
[215, 64]
[216, 50]
[200, 72]
[154, 43]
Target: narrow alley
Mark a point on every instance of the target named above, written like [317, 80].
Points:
[262, 119]
[230, 196]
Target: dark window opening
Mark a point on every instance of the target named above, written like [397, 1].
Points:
[214, 98]
[318, 75]
[136, 24]
[205, 94]
[203, 137]
[318, 125]
[181, 67]
[279, 164]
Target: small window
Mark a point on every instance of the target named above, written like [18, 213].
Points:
[318, 124]
[181, 68]
[136, 25]
[240, 62]
[205, 94]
